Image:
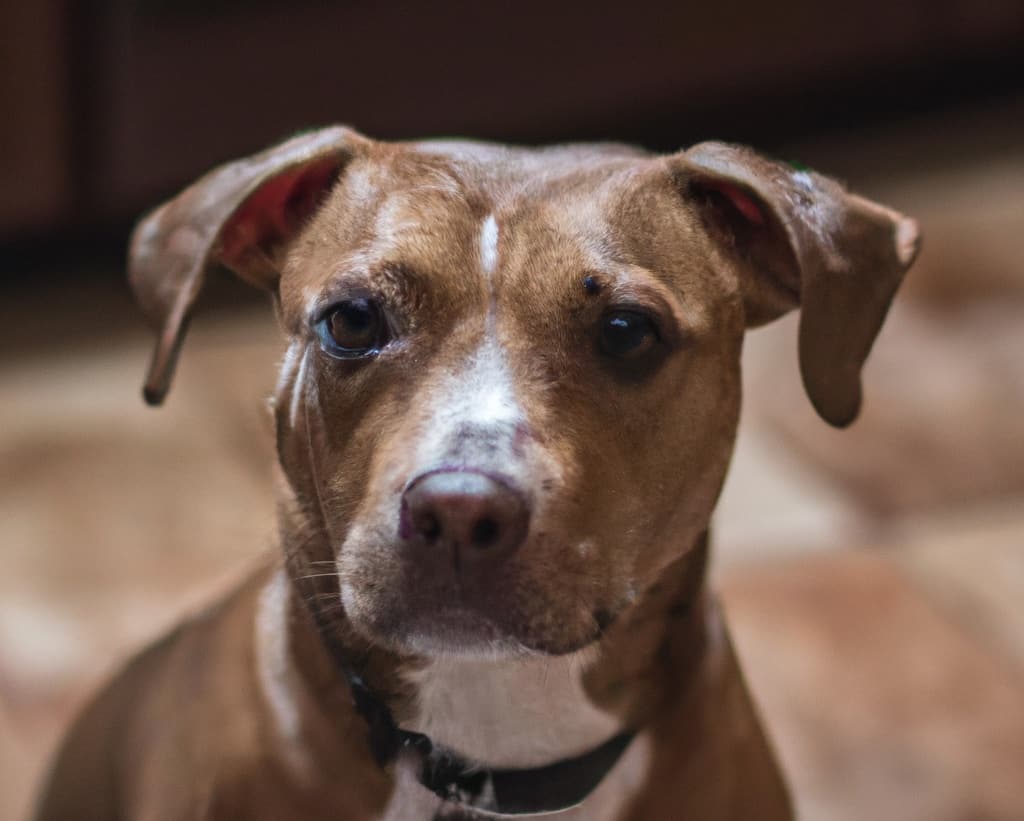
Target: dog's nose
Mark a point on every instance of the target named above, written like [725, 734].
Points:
[475, 516]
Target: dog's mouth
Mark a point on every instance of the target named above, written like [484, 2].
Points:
[546, 597]
[451, 625]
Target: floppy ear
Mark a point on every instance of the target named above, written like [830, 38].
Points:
[802, 239]
[241, 215]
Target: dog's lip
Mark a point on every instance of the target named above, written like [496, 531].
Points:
[462, 628]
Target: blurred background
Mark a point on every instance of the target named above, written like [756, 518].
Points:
[874, 578]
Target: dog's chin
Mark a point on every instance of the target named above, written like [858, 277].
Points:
[462, 633]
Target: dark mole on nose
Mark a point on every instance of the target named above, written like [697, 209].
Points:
[591, 285]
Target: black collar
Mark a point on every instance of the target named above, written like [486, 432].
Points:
[501, 792]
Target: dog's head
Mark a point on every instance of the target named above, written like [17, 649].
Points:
[512, 381]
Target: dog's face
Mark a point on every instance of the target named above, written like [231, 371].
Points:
[512, 381]
[523, 350]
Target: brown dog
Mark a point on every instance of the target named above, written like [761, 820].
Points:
[503, 420]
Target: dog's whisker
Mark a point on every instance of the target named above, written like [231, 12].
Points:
[332, 610]
[329, 596]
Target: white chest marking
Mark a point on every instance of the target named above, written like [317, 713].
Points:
[489, 245]
[519, 712]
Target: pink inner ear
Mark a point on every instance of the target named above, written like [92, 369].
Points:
[275, 210]
[741, 201]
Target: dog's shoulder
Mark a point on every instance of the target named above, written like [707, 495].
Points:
[160, 708]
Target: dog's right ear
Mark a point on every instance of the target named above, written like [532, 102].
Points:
[241, 215]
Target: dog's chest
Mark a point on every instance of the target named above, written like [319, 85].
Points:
[509, 713]
[522, 713]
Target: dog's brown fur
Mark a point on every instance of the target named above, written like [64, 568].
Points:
[493, 264]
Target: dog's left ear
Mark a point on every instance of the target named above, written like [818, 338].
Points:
[801, 239]
[243, 216]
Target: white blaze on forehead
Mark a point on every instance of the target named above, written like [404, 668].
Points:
[489, 245]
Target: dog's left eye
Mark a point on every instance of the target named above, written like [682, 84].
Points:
[352, 329]
[627, 333]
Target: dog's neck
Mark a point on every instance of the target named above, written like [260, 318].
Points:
[526, 712]
[511, 712]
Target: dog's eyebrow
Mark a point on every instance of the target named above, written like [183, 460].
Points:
[395, 278]
[634, 284]
[396, 274]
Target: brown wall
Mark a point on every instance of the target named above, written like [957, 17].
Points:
[110, 105]
[34, 174]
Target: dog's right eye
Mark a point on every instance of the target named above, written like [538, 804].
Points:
[352, 329]
[627, 333]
